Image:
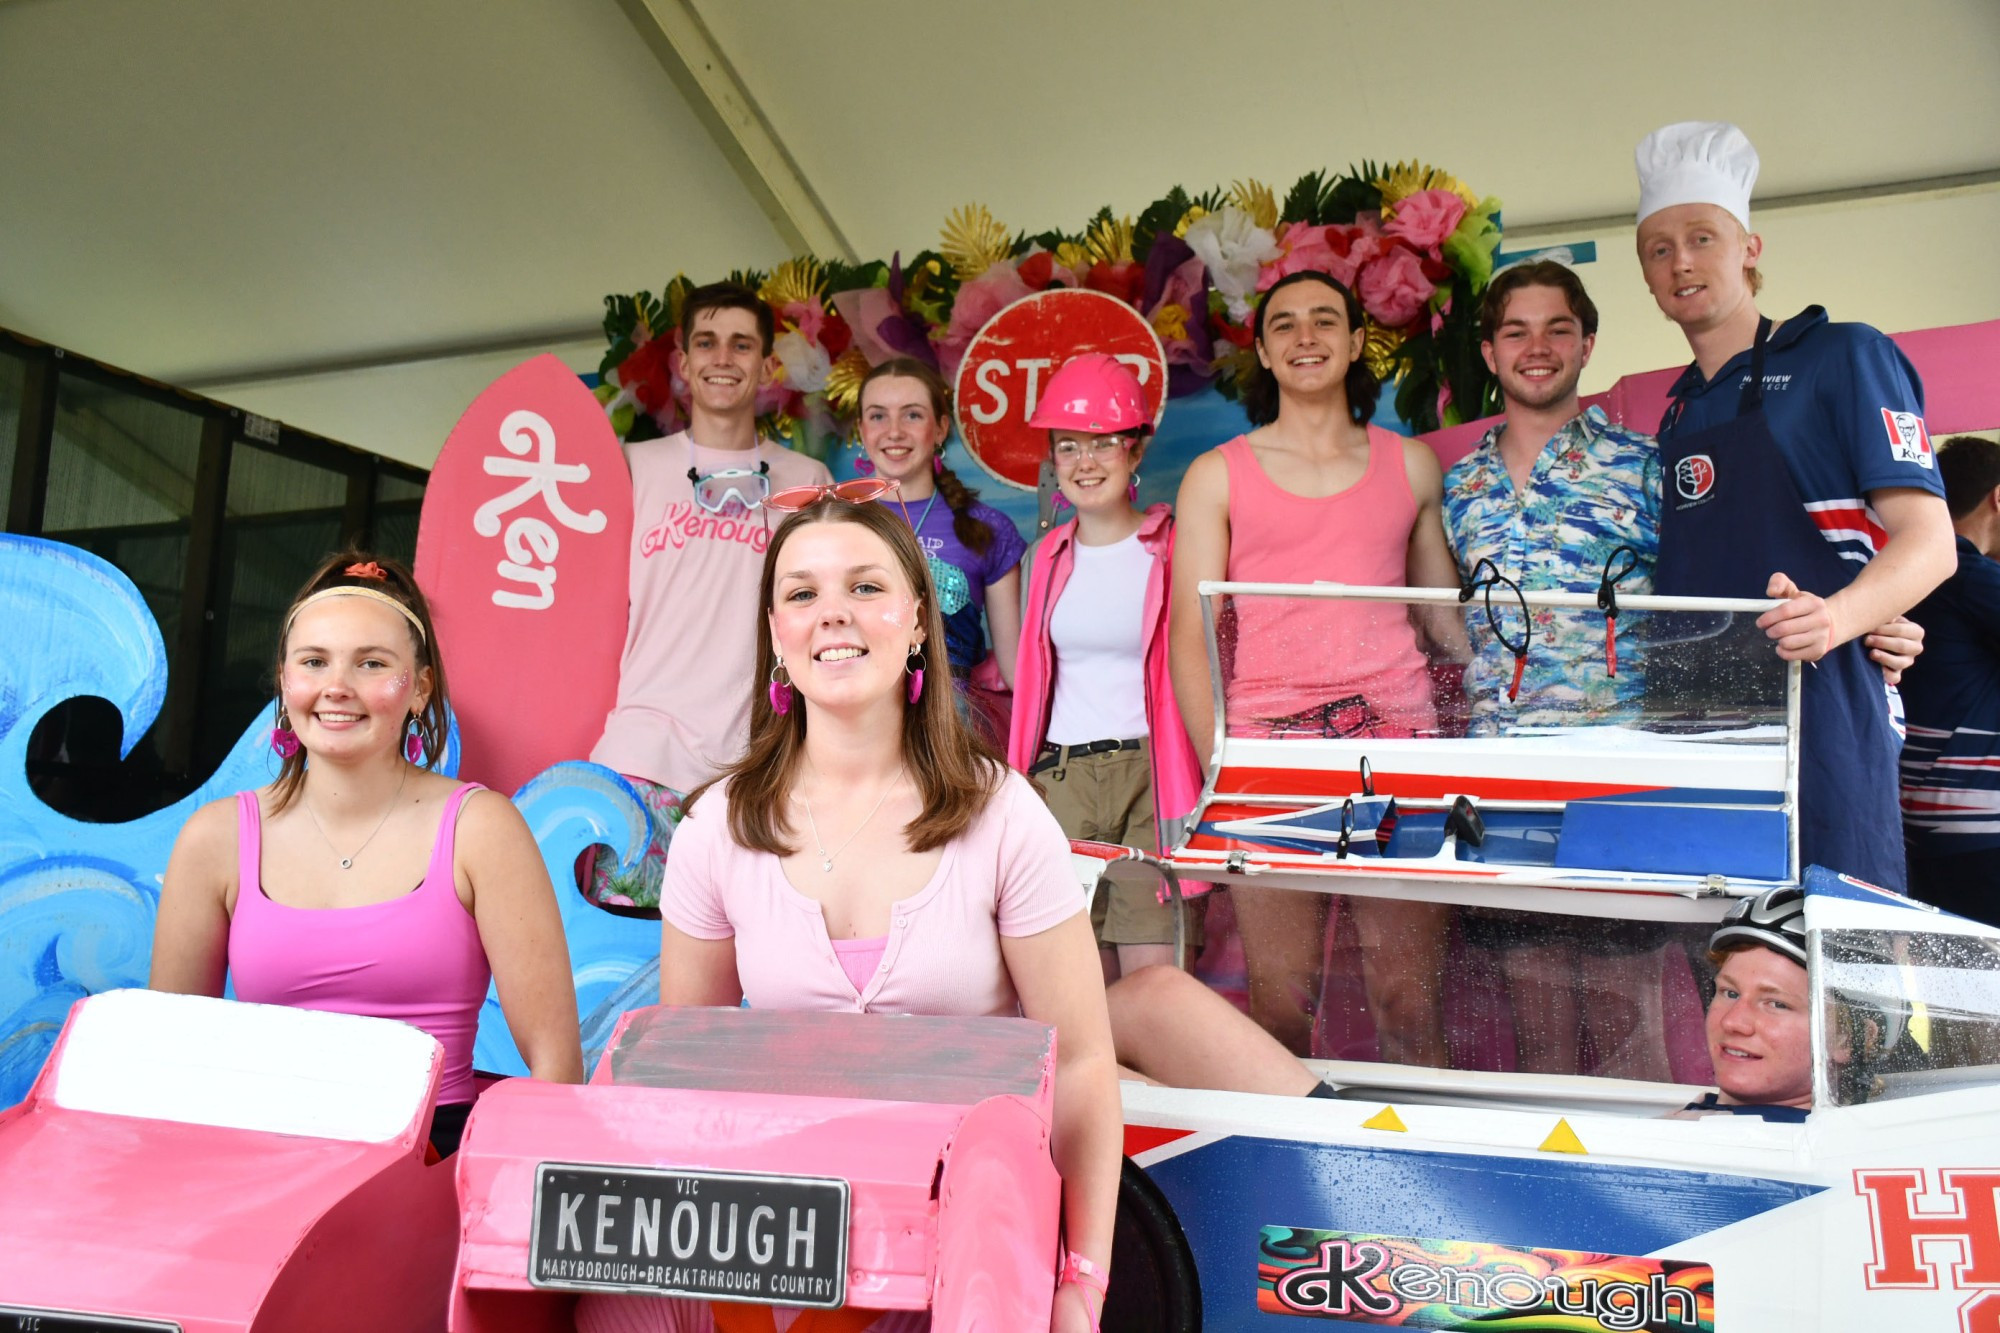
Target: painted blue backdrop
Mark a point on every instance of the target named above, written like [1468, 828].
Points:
[78, 900]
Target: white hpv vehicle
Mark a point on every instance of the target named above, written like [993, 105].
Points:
[1534, 1175]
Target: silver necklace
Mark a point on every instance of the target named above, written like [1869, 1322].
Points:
[826, 857]
[347, 862]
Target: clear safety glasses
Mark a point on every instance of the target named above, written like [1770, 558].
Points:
[1103, 448]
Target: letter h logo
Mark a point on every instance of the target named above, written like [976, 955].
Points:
[1901, 1227]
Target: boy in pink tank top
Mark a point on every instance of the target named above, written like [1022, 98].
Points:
[1316, 494]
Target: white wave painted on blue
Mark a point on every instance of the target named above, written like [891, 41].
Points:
[569, 807]
[78, 900]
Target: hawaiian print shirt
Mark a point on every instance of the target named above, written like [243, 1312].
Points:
[1594, 487]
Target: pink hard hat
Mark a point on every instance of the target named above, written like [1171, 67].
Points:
[1095, 393]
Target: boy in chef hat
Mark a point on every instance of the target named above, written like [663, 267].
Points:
[1796, 466]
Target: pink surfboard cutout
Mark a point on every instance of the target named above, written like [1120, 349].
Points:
[523, 550]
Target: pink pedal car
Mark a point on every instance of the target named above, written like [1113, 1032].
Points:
[200, 1165]
[812, 1160]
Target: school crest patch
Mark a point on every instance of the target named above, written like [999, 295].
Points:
[1694, 477]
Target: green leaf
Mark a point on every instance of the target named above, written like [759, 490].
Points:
[843, 277]
[1310, 199]
[1351, 197]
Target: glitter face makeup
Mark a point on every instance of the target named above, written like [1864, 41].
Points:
[349, 680]
[842, 616]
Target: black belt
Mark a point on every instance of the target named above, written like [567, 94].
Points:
[1058, 756]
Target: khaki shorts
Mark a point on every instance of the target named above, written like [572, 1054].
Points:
[1109, 798]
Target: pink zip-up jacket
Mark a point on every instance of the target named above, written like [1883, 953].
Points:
[1176, 771]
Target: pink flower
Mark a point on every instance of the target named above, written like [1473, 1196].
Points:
[1394, 289]
[809, 317]
[1425, 218]
[978, 301]
[1339, 252]
[865, 309]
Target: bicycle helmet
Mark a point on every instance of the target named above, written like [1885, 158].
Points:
[1774, 919]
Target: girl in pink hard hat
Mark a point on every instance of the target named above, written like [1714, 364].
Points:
[1095, 722]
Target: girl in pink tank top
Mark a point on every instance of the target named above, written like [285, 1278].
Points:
[416, 958]
[344, 885]
[1294, 666]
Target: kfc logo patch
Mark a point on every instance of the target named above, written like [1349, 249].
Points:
[1909, 442]
[1694, 477]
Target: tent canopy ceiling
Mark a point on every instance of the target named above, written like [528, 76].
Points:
[227, 190]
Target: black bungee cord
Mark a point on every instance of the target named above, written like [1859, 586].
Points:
[1473, 583]
[1607, 602]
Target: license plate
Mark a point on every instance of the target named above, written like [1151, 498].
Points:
[713, 1235]
[21, 1319]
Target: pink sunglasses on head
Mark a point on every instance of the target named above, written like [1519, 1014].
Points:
[859, 490]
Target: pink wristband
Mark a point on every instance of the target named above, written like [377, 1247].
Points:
[1084, 1273]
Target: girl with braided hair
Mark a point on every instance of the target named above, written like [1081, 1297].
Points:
[974, 551]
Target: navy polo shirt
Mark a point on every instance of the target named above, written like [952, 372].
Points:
[1951, 760]
[1847, 410]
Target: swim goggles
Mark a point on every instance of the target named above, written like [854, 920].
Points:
[748, 487]
[858, 490]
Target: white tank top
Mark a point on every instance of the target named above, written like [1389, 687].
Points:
[1097, 632]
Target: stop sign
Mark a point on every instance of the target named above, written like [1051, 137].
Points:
[1010, 361]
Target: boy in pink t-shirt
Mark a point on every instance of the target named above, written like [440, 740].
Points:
[698, 537]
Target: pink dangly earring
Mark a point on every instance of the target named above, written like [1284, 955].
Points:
[781, 690]
[916, 673]
[1132, 488]
[283, 739]
[413, 742]
[865, 465]
[937, 465]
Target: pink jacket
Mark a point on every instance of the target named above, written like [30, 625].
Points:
[1176, 771]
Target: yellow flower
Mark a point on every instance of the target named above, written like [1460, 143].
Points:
[1256, 199]
[1379, 352]
[843, 381]
[973, 241]
[1170, 321]
[1408, 178]
[1073, 257]
[795, 281]
[1194, 214]
[1109, 241]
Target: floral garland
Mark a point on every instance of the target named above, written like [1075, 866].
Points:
[1413, 243]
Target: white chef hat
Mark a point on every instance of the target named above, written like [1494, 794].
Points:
[1696, 162]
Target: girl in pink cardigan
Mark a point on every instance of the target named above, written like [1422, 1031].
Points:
[1095, 722]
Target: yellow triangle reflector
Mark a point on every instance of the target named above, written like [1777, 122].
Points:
[1386, 1118]
[1563, 1139]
